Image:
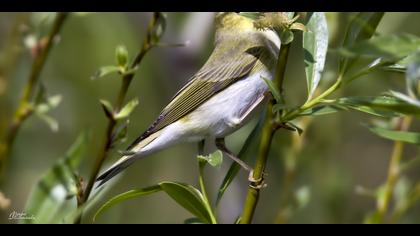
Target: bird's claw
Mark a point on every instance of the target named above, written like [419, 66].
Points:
[256, 183]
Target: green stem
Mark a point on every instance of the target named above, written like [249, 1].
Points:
[107, 142]
[393, 172]
[309, 104]
[201, 166]
[265, 143]
[24, 109]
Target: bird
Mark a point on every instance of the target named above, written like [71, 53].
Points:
[219, 99]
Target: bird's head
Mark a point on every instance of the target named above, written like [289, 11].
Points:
[232, 21]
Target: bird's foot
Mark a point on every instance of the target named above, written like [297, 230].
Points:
[256, 183]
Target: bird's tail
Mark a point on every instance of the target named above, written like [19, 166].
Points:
[126, 160]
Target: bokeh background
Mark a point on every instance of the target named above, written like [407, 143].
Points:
[338, 154]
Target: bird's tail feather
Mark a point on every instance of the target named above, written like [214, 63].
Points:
[123, 163]
[126, 160]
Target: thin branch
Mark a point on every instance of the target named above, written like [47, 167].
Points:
[265, 143]
[107, 143]
[24, 110]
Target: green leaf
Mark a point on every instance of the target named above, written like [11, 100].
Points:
[185, 195]
[108, 109]
[121, 54]
[105, 70]
[244, 153]
[370, 105]
[125, 196]
[189, 198]
[215, 159]
[322, 110]
[49, 199]
[127, 109]
[403, 136]
[361, 27]
[315, 45]
[379, 105]
[273, 90]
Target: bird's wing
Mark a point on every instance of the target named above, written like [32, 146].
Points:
[211, 79]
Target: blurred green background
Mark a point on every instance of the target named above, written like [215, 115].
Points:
[338, 155]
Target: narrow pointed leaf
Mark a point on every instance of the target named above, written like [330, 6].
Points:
[403, 136]
[315, 45]
[361, 27]
[105, 70]
[185, 195]
[126, 196]
[127, 109]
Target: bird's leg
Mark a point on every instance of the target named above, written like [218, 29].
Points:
[201, 147]
[255, 183]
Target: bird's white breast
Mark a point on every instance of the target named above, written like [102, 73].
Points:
[222, 114]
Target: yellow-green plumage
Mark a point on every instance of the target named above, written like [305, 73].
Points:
[214, 101]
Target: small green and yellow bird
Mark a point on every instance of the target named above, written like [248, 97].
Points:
[219, 99]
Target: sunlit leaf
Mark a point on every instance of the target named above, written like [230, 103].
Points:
[315, 45]
[215, 159]
[105, 70]
[121, 55]
[49, 200]
[127, 109]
